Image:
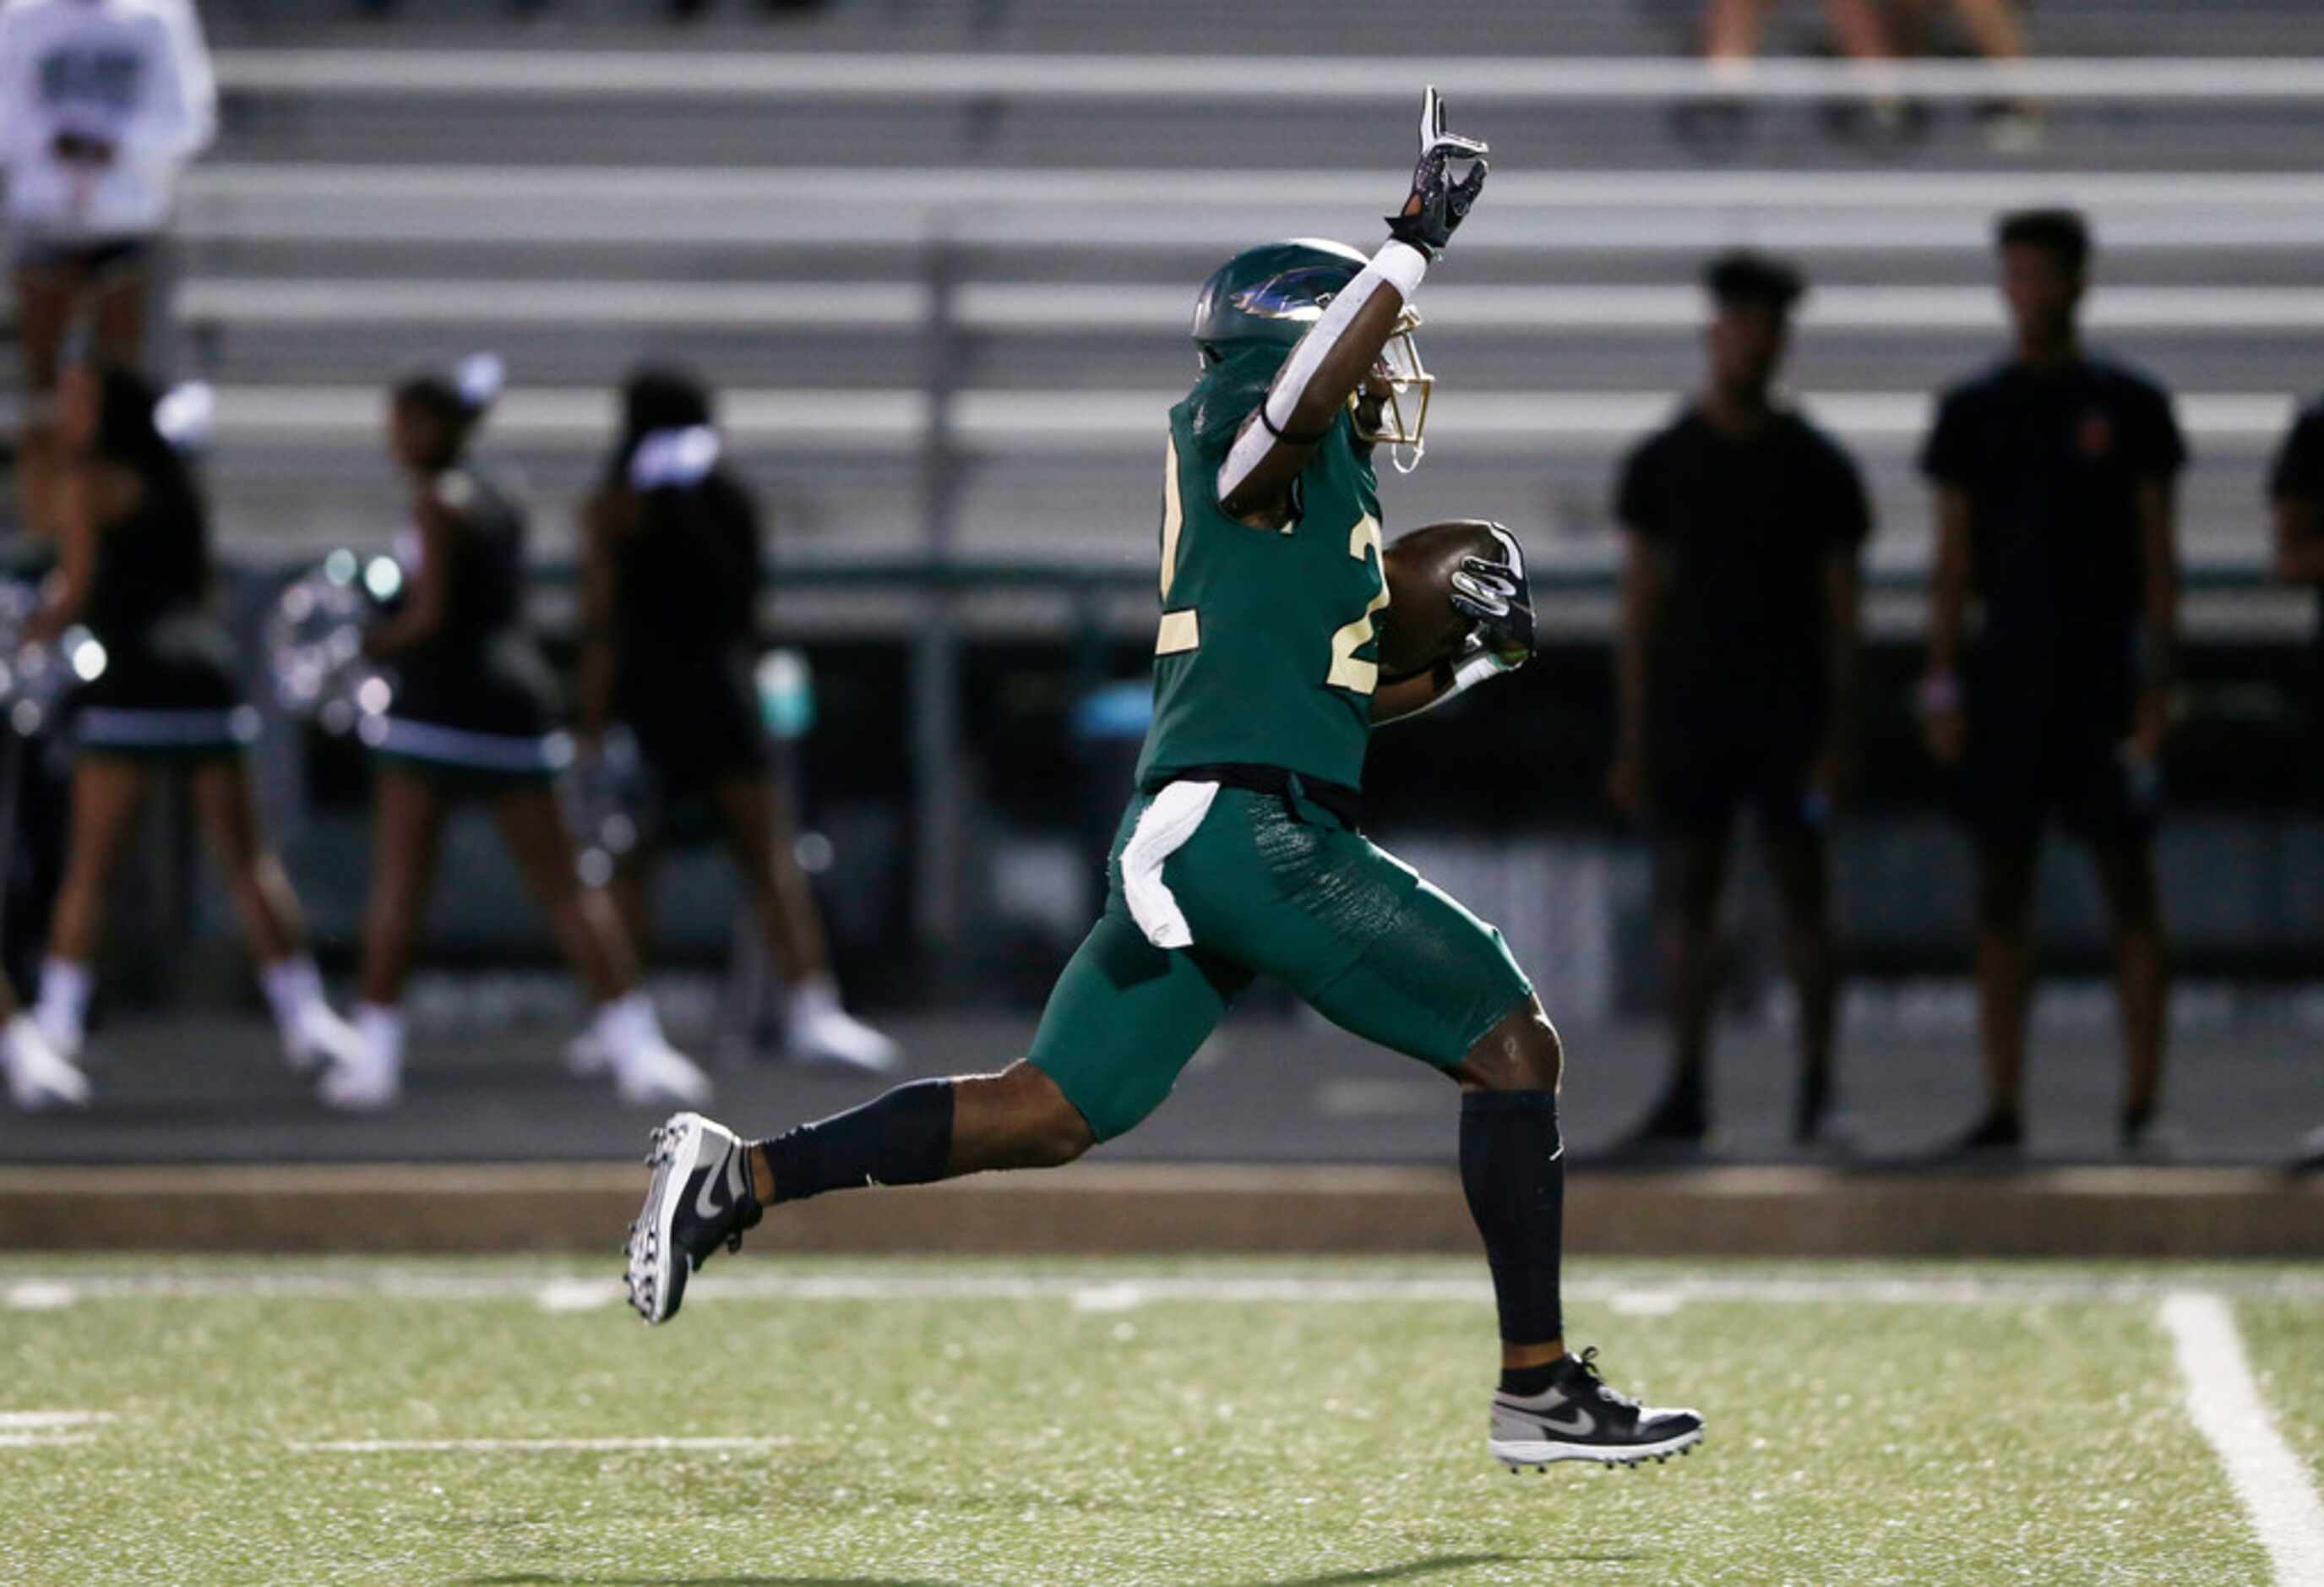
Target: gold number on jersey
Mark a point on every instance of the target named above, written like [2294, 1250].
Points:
[1180, 631]
[1347, 672]
[1174, 517]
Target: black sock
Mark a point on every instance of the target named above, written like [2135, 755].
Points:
[901, 1138]
[1513, 1168]
[1529, 1382]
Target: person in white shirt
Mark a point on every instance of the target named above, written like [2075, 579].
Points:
[102, 103]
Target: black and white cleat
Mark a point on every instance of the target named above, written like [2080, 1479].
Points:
[698, 1199]
[1579, 1418]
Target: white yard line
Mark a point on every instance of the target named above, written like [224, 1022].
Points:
[575, 1294]
[37, 1294]
[2223, 1400]
[524, 1445]
[27, 1421]
[48, 1429]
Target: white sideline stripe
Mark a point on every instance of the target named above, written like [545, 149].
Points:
[1098, 1292]
[1055, 309]
[47, 1429]
[520, 1445]
[1064, 422]
[22, 1421]
[575, 1295]
[35, 1295]
[663, 73]
[2224, 1402]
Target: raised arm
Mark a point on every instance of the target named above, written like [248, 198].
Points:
[1338, 350]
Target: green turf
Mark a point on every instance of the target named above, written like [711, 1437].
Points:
[958, 1440]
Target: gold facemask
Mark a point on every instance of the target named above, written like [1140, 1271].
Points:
[1403, 385]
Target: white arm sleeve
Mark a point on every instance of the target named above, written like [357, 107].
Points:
[1397, 264]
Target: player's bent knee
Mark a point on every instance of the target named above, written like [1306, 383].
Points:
[1017, 1118]
[1520, 1053]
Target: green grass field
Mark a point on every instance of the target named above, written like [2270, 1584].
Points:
[1283, 1423]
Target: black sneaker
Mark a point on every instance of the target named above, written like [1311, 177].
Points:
[1675, 1128]
[1999, 1135]
[700, 1199]
[1579, 1418]
[2311, 1159]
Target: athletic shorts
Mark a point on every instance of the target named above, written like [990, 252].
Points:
[1240, 884]
[1703, 774]
[2018, 776]
[94, 258]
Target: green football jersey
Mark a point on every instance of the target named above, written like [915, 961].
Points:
[1267, 652]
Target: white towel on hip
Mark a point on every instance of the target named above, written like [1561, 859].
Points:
[1161, 832]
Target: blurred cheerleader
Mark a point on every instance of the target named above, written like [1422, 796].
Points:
[472, 713]
[160, 695]
[669, 596]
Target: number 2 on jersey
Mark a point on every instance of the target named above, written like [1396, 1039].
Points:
[1181, 630]
[1347, 671]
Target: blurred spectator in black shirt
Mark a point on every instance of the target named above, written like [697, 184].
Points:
[2297, 486]
[2056, 475]
[1737, 651]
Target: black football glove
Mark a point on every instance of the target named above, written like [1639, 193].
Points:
[1438, 204]
[1495, 595]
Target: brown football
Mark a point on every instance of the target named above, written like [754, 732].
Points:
[1420, 626]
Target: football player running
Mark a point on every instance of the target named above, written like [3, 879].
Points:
[1239, 854]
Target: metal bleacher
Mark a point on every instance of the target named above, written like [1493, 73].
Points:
[940, 254]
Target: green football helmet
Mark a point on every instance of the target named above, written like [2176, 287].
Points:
[1268, 297]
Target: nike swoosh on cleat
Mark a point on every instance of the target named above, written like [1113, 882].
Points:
[1581, 1426]
[704, 1206]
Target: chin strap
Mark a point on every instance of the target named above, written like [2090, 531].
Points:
[1397, 264]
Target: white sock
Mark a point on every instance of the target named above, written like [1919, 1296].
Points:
[19, 1030]
[816, 995]
[380, 1025]
[627, 1025]
[292, 986]
[65, 986]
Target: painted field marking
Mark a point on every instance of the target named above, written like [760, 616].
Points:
[18, 1421]
[40, 1295]
[2223, 1400]
[47, 1429]
[524, 1445]
[575, 1295]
